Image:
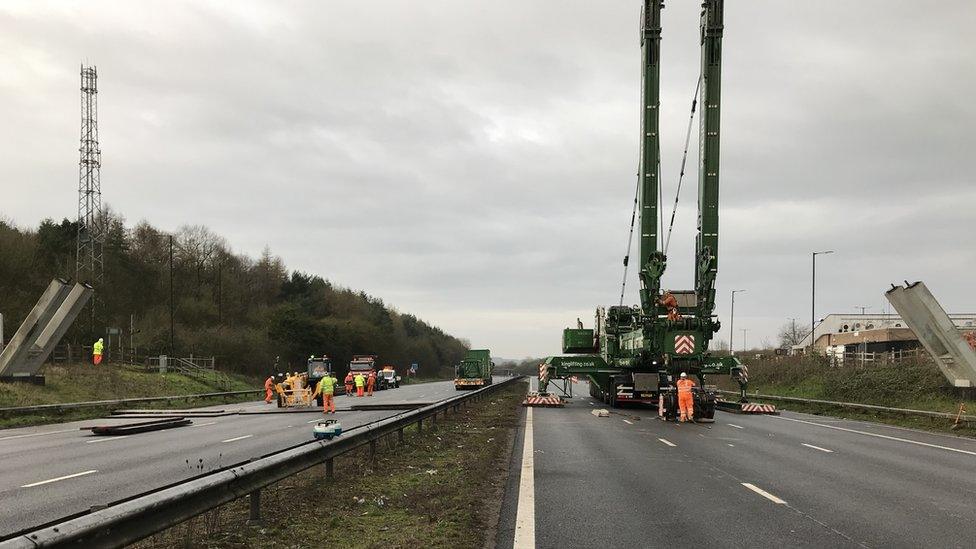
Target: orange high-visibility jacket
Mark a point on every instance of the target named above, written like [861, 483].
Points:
[685, 385]
[268, 383]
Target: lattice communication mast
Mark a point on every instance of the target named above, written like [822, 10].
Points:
[91, 234]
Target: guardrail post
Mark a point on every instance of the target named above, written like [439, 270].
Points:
[329, 469]
[420, 425]
[255, 500]
[372, 449]
[400, 435]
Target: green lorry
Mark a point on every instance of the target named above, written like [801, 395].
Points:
[474, 370]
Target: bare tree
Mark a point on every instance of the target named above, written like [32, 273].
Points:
[791, 334]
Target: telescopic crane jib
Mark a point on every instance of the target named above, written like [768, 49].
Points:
[635, 354]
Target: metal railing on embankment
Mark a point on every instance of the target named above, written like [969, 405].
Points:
[143, 516]
[857, 406]
[65, 406]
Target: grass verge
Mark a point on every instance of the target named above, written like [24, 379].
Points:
[441, 488]
[84, 382]
[910, 384]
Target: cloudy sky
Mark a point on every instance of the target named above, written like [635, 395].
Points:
[474, 163]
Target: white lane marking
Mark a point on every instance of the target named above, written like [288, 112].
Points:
[525, 515]
[313, 421]
[237, 438]
[763, 493]
[288, 426]
[733, 425]
[668, 442]
[816, 448]
[48, 481]
[38, 434]
[881, 436]
[106, 439]
[731, 445]
[627, 422]
[203, 424]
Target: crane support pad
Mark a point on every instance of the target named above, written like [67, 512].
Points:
[745, 407]
[138, 427]
[537, 400]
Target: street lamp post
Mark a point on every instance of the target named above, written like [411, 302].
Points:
[813, 298]
[732, 323]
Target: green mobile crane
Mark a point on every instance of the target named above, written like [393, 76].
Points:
[635, 354]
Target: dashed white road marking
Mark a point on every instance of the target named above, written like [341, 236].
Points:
[525, 514]
[38, 434]
[106, 439]
[204, 424]
[730, 445]
[628, 422]
[897, 439]
[66, 477]
[237, 438]
[313, 421]
[763, 493]
[817, 448]
[668, 442]
[734, 425]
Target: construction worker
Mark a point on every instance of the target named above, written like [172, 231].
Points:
[268, 389]
[370, 382]
[97, 349]
[686, 402]
[326, 388]
[360, 384]
[349, 384]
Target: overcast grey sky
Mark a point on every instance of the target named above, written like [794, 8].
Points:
[474, 163]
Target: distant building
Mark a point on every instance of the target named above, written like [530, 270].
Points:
[839, 333]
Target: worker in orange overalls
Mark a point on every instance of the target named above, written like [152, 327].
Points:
[348, 383]
[360, 383]
[268, 386]
[326, 388]
[686, 402]
[370, 382]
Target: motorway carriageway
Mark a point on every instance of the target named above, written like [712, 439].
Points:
[794, 480]
[51, 471]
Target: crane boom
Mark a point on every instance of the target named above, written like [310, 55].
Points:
[651, 259]
[706, 264]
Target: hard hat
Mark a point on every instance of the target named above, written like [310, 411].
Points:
[684, 374]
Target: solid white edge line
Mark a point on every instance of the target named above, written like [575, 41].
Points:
[106, 439]
[881, 436]
[203, 424]
[525, 515]
[38, 434]
[33, 484]
[733, 425]
[763, 493]
[817, 448]
[237, 438]
[668, 442]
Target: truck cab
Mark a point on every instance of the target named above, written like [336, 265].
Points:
[364, 364]
[387, 378]
[319, 367]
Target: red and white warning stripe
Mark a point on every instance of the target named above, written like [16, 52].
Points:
[684, 344]
[758, 408]
[537, 400]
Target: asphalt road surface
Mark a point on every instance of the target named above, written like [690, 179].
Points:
[794, 480]
[52, 471]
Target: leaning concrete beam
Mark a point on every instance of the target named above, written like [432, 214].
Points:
[936, 331]
[39, 316]
[52, 333]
